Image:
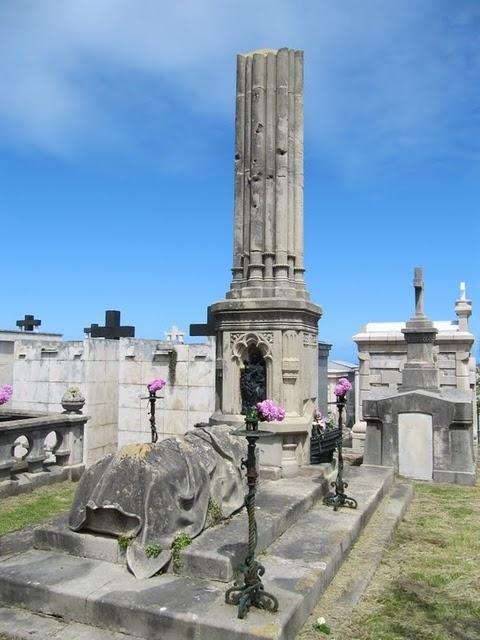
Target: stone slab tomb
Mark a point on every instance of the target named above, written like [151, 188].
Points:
[304, 543]
[422, 431]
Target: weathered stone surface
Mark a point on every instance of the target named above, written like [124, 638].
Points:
[452, 445]
[267, 309]
[152, 493]
[170, 607]
[218, 551]
[422, 431]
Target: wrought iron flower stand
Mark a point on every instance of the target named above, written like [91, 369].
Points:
[340, 498]
[152, 398]
[251, 592]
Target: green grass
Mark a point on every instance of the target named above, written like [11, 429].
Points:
[20, 511]
[428, 585]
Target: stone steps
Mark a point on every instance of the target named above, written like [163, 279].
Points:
[220, 550]
[299, 564]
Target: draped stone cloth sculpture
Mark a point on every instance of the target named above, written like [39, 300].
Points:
[153, 492]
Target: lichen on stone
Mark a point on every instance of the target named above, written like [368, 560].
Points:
[137, 451]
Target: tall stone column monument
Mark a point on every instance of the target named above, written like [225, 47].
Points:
[266, 325]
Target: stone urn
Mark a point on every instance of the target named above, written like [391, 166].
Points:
[73, 400]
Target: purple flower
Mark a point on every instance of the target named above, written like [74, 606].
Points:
[268, 411]
[156, 385]
[5, 393]
[342, 386]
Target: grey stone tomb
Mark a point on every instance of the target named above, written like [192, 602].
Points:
[422, 431]
[267, 308]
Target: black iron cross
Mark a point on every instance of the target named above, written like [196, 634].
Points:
[112, 329]
[28, 323]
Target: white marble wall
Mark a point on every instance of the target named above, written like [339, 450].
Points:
[112, 375]
[184, 401]
[382, 353]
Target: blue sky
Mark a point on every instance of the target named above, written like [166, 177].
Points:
[116, 156]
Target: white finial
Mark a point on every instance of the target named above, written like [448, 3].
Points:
[463, 291]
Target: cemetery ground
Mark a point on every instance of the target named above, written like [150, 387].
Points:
[426, 585]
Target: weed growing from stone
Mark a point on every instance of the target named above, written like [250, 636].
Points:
[153, 550]
[124, 542]
[180, 542]
[215, 512]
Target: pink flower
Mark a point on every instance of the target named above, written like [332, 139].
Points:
[343, 385]
[320, 420]
[5, 393]
[156, 385]
[268, 411]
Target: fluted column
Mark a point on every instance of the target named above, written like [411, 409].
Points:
[268, 228]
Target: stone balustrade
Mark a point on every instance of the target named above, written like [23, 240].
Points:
[53, 439]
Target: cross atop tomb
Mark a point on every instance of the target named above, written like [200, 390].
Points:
[175, 335]
[419, 293]
[112, 329]
[29, 323]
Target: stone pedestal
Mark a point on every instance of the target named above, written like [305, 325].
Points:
[358, 436]
[285, 332]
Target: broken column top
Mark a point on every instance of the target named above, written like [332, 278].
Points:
[259, 51]
[268, 229]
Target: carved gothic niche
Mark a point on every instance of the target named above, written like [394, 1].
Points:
[253, 354]
[253, 379]
[241, 342]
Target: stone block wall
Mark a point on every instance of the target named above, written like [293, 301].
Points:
[101, 392]
[6, 362]
[188, 397]
[340, 369]
[7, 347]
[382, 352]
[43, 370]
[112, 376]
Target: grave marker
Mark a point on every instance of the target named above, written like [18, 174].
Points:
[112, 329]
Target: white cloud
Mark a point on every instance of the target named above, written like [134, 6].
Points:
[384, 79]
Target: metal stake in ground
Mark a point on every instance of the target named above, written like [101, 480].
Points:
[340, 498]
[251, 592]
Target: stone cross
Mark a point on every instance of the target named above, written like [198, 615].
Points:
[463, 291]
[112, 329]
[418, 284]
[29, 323]
[175, 335]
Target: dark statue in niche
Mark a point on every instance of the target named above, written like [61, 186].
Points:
[253, 379]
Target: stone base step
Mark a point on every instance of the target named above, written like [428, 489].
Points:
[218, 552]
[299, 565]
